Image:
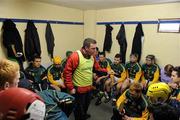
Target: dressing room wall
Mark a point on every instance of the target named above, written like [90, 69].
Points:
[165, 46]
[67, 37]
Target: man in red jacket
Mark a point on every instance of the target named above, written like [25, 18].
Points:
[78, 75]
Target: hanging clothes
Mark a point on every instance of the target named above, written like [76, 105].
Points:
[108, 38]
[121, 37]
[32, 43]
[137, 41]
[50, 40]
[12, 42]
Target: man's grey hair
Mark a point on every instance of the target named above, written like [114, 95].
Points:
[88, 41]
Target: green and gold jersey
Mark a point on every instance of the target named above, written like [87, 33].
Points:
[36, 73]
[150, 72]
[118, 69]
[133, 71]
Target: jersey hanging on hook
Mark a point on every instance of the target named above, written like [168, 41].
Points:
[108, 38]
[49, 40]
[121, 37]
[137, 41]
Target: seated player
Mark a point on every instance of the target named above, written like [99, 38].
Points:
[166, 73]
[9, 74]
[150, 73]
[163, 112]
[63, 62]
[132, 104]
[175, 84]
[57, 103]
[159, 94]
[117, 77]
[21, 104]
[55, 73]
[36, 73]
[133, 70]
[101, 78]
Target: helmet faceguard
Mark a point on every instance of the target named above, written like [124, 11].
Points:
[36, 110]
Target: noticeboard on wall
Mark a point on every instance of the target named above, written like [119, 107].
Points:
[169, 25]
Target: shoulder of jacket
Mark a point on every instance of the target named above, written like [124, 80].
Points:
[127, 64]
[42, 67]
[122, 64]
[50, 68]
[138, 65]
[74, 54]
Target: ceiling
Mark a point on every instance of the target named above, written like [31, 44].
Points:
[103, 4]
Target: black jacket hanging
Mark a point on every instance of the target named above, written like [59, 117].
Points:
[137, 41]
[12, 39]
[121, 37]
[32, 43]
[108, 38]
[50, 40]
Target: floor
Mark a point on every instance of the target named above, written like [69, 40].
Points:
[101, 112]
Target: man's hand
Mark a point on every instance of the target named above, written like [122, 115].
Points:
[44, 78]
[125, 117]
[61, 83]
[111, 72]
[31, 81]
[55, 87]
[73, 91]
